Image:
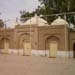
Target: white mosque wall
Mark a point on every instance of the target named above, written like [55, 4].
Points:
[65, 54]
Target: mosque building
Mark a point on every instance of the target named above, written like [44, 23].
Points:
[37, 37]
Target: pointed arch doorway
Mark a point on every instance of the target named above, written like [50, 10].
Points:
[52, 46]
[74, 50]
[26, 48]
[5, 45]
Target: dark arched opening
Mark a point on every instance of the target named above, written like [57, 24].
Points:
[74, 50]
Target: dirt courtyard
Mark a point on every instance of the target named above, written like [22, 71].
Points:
[35, 65]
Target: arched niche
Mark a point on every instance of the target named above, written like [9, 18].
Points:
[25, 43]
[25, 37]
[52, 44]
[4, 44]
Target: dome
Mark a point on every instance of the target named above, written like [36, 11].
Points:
[36, 20]
[59, 21]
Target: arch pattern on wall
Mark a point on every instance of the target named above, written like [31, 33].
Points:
[52, 44]
[25, 37]
[25, 43]
[3, 40]
[49, 39]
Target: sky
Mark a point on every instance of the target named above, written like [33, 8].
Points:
[10, 9]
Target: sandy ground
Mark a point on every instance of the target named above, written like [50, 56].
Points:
[35, 65]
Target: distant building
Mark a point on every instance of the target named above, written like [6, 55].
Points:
[36, 37]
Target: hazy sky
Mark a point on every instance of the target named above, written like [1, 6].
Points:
[11, 8]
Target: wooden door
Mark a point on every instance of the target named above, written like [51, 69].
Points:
[53, 46]
[27, 48]
[6, 47]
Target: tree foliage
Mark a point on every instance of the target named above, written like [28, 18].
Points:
[26, 15]
[59, 6]
[49, 7]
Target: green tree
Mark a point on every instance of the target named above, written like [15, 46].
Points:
[59, 6]
[26, 15]
[49, 7]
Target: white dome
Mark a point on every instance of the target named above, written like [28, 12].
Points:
[59, 21]
[36, 21]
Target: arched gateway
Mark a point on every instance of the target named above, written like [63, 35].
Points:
[4, 45]
[52, 46]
